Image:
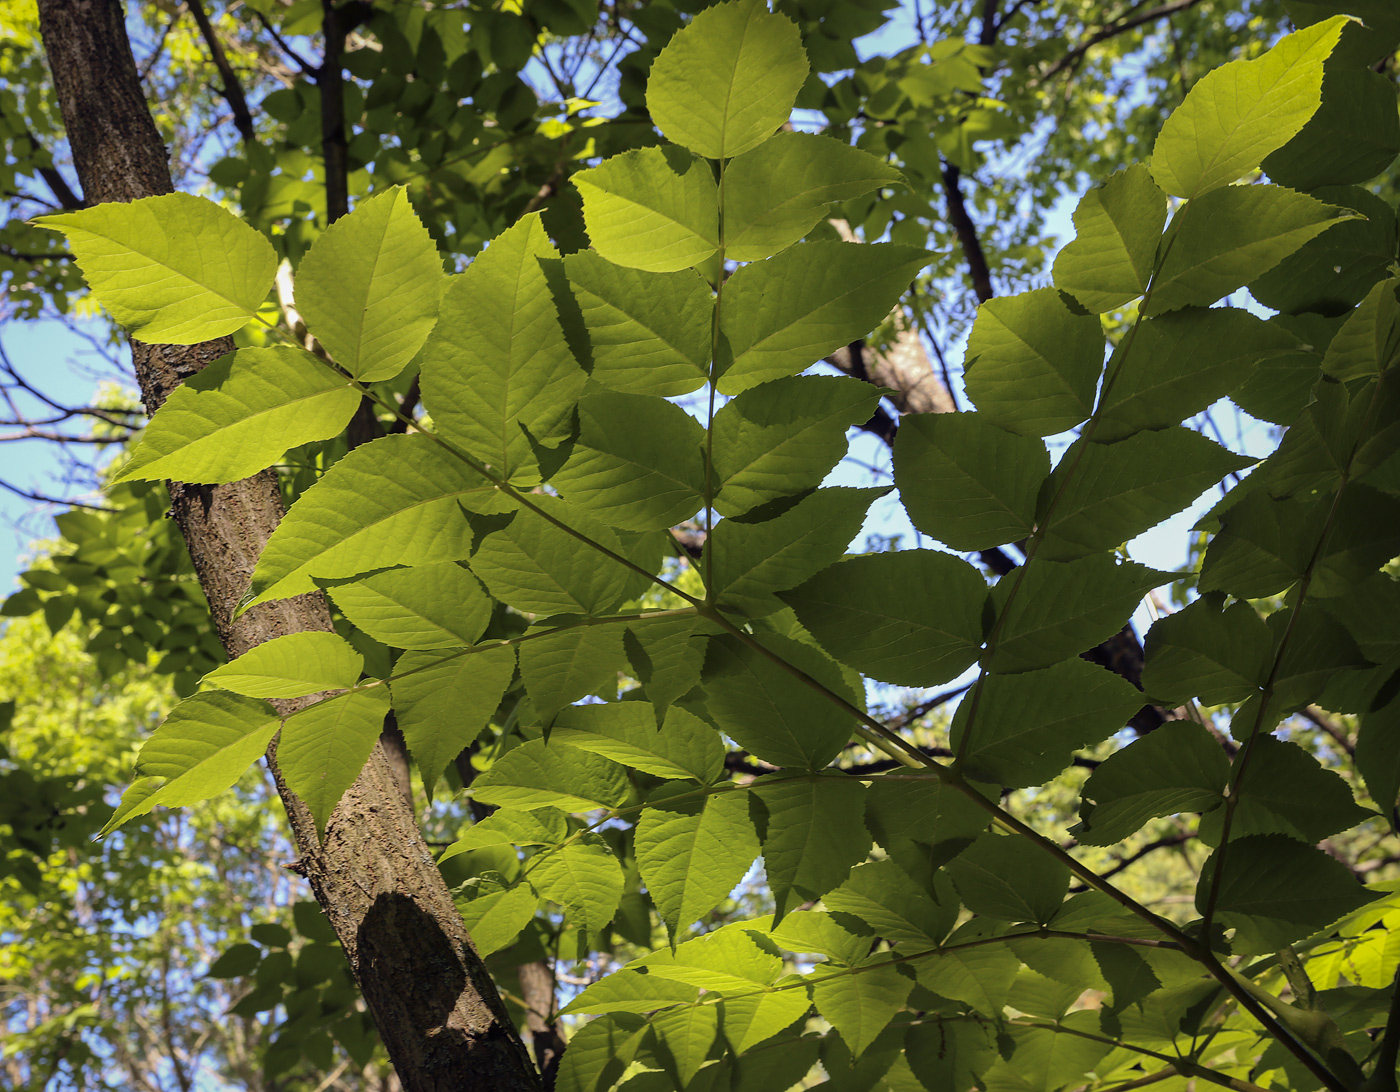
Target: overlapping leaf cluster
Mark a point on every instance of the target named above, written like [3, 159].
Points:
[523, 534]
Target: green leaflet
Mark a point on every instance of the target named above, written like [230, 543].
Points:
[638, 464]
[767, 711]
[572, 663]
[600, 1051]
[1179, 363]
[728, 80]
[540, 775]
[1047, 1058]
[1228, 237]
[655, 209]
[425, 606]
[751, 561]
[648, 333]
[1276, 890]
[323, 748]
[813, 833]
[665, 657]
[967, 482]
[496, 918]
[860, 1004]
[1027, 724]
[693, 852]
[442, 702]
[783, 437]
[684, 1036]
[497, 371]
[1369, 341]
[921, 823]
[1119, 225]
[630, 991]
[1204, 652]
[174, 269]
[1236, 115]
[201, 748]
[1354, 136]
[980, 976]
[368, 288]
[583, 875]
[896, 908]
[536, 566]
[1333, 272]
[1288, 792]
[506, 827]
[239, 415]
[725, 960]
[1062, 608]
[1176, 768]
[397, 500]
[1033, 364]
[1009, 878]
[1378, 757]
[1259, 551]
[778, 192]
[837, 937]
[951, 1052]
[748, 1021]
[913, 617]
[782, 315]
[1106, 494]
[626, 732]
[291, 666]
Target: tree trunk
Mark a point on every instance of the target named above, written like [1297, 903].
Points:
[436, 1007]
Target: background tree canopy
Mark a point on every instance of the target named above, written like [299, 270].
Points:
[520, 376]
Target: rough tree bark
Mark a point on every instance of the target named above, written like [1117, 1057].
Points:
[439, 1013]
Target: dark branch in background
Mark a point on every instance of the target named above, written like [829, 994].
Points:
[407, 406]
[925, 707]
[1339, 735]
[306, 67]
[966, 231]
[1073, 57]
[159, 50]
[232, 90]
[1180, 838]
[42, 499]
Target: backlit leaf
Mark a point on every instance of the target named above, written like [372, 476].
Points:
[570, 664]
[649, 333]
[1033, 364]
[911, 617]
[584, 875]
[1027, 725]
[1176, 768]
[497, 363]
[782, 315]
[239, 415]
[368, 288]
[1228, 237]
[291, 666]
[812, 832]
[1119, 225]
[728, 80]
[394, 501]
[1009, 878]
[1204, 652]
[778, 192]
[1237, 114]
[638, 463]
[442, 702]
[860, 1003]
[540, 775]
[655, 209]
[783, 437]
[626, 732]
[693, 852]
[174, 269]
[966, 481]
[768, 711]
[425, 606]
[323, 748]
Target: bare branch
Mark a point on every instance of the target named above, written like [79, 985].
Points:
[1072, 58]
[232, 90]
[40, 498]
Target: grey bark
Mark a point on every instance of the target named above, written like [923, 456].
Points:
[437, 1010]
